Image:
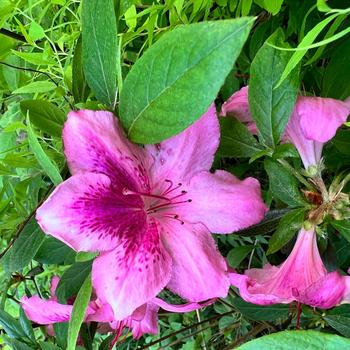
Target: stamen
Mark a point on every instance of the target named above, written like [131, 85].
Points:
[175, 217]
[165, 205]
[170, 187]
[127, 192]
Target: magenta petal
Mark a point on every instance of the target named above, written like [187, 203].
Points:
[321, 117]
[44, 311]
[88, 215]
[222, 202]
[95, 142]
[187, 153]
[148, 324]
[133, 273]
[238, 105]
[199, 271]
[326, 293]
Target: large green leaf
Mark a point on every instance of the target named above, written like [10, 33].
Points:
[177, 79]
[343, 226]
[100, 53]
[78, 313]
[270, 106]
[44, 115]
[24, 248]
[339, 319]
[301, 340]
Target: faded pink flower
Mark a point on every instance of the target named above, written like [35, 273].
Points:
[313, 122]
[149, 211]
[302, 277]
[143, 320]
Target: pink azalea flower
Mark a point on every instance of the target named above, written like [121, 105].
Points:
[149, 211]
[313, 122]
[302, 277]
[143, 320]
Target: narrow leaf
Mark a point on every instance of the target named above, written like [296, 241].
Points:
[45, 162]
[36, 87]
[78, 313]
[343, 226]
[157, 100]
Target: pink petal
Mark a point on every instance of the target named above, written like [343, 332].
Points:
[44, 311]
[199, 271]
[54, 283]
[238, 105]
[133, 273]
[88, 214]
[321, 117]
[94, 142]
[148, 324]
[326, 293]
[187, 153]
[222, 202]
[188, 307]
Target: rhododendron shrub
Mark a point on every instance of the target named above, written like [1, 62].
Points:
[174, 175]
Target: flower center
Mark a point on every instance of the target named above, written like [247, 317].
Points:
[159, 204]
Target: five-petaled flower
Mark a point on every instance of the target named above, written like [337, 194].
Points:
[313, 122]
[148, 210]
[302, 277]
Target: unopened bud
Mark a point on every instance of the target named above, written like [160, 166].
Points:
[312, 171]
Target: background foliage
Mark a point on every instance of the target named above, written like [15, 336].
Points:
[61, 54]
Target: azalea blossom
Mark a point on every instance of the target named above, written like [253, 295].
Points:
[302, 277]
[149, 211]
[144, 319]
[313, 122]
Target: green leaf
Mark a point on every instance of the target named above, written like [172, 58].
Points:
[36, 31]
[36, 87]
[272, 6]
[61, 333]
[26, 325]
[339, 319]
[271, 107]
[44, 115]
[48, 346]
[337, 73]
[45, 162]
[158, 99]
[79, 87]
[261, 313]
[53, 251]
[11, 326]
[36, 58]
[236, 255]
[72, 279]
[289, 225]
[301, 340]
[343, 227]
[18, 345]
[236, 140]
[85, 256]
[100, 48]
[307, 40]
[78, 313]
[283, 184]
[342, 141]
[24, 248]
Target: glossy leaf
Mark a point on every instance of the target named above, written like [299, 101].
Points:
[158, 99]
[339, 319]
[100, 53]
[287, 228]
[343, 226]
[36, 87]
[270, 107]
[301, 340]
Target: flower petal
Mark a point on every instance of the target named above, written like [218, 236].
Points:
[44, 311]
[187, 153]
[199, 271]
[326, 293]
[180, 308]
[95, 142]
[238, 105]
[88, 214]
[133, 273]
[149, 323]
[222, 202]
[321, 117]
